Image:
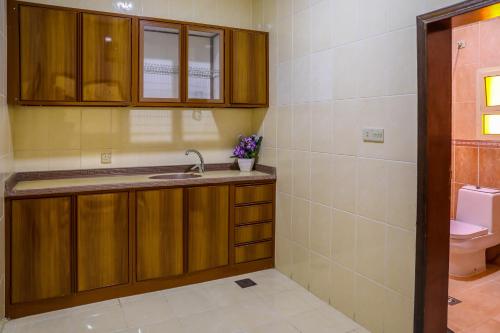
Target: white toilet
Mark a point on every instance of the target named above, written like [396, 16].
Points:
[476, 228]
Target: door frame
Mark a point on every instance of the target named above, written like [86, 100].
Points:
[434, 157]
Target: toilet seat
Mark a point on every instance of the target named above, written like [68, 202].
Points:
[462, 230]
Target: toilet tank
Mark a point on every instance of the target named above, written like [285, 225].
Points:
[479, 206]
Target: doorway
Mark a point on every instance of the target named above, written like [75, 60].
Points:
[434, 156]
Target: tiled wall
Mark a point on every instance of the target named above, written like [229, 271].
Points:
[72, 138]
[474, 163]
[346, 209]
[5, 146]
[482, 46]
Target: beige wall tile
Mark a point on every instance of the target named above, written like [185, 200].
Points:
[300, 265]
[284, 215]
[64, 159]
[320, 276]
[372, 189]
[369, 304]
[344, 183]
[301, 174]
[30, 128]
[284, 127]
[284, 255]
[301, 127]
[301, 210]
[320, 229]
[402, 195]
[342, 289]
[96, 128]
[398, 313]
[322, 178]
[370, 249]
[343, 238]
[400, 254]
[64, 128]
[285, 173]
[322, 127]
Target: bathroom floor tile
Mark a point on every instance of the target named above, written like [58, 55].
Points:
[275, 305]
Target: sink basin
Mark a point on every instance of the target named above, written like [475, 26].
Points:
[176, 176]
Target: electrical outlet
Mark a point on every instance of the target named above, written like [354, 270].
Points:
[105, 158]
[373, 135]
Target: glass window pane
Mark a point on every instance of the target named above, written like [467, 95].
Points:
[492, 90]
[204, 59]
[161, 62]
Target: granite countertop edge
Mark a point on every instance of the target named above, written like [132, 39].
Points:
[15, 178]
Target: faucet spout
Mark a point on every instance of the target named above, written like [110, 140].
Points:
[201, 166]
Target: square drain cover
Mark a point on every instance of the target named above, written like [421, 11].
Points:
[245, 283]
[453, 301]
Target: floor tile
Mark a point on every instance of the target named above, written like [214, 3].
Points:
[189, 302]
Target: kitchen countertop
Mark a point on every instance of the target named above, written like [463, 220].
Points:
[92, 180]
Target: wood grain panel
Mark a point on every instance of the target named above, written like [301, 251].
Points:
[40, 249]
[253, 252]
[252, 233]
[253, 214]
[249, 67]
[106, 58]
[102, 240]
[48, 54]
[208, 235]
[160, 233]
[255, 193]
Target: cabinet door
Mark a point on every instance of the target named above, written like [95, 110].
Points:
[106, 58]
[160, 233]
[205, 70]
[208, 227]
[48, 57]
[249, 67]
[40, 249]
[102, 240]
[160, 58]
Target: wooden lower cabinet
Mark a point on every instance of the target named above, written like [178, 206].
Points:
[80, 248]
[40, 249]
[102, 240]
[160, 233]
[208, 227]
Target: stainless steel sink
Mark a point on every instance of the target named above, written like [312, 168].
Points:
[176, 176]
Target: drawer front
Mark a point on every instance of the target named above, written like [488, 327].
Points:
[253, 214]
[252, 233]
[253, 252]
[252, 194]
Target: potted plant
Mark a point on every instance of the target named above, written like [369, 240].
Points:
[247, 150]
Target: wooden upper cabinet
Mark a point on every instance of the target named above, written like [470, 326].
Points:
[160, 233]
[106, 58]
[205, 65]
[208, 230]
[160, 62]
[40, 249]
[249, 62]
[102, 243]
[47, 54]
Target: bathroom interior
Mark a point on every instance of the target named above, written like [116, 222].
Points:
[474, 284]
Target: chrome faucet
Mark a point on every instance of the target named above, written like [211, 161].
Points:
[201, 165]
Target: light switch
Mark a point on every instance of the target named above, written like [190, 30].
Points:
[373, 135]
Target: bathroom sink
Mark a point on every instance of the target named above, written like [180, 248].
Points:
[176, 176]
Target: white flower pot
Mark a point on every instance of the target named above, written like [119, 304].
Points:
[246, 164]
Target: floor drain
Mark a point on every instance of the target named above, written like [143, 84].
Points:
[245, 283]
[453, 301]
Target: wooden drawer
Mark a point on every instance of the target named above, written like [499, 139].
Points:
[252, 233]
[253, 214]
[252, 194]
[253, 252]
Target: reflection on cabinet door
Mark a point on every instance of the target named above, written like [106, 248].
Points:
[48, 54]
[160, 233]
[160, 59]
[205, 70]
[106, 72]
[249, 67]
[208, 231]
[102, 240]
[40, 249]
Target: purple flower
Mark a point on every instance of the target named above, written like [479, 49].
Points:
[248, 147]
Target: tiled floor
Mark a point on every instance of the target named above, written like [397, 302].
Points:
[275, 305]
[479, 311]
